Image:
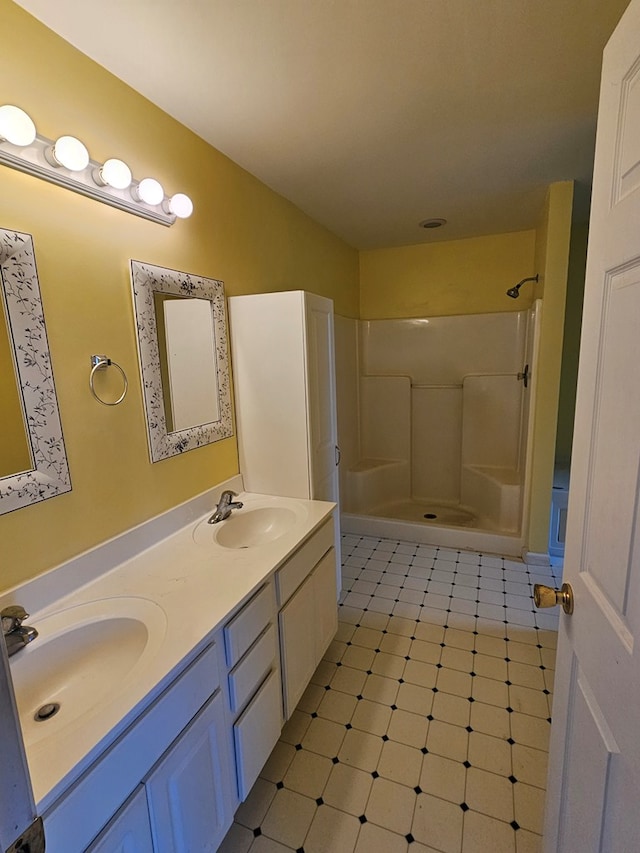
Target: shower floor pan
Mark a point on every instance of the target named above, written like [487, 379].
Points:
[452, 528]
[421, 512]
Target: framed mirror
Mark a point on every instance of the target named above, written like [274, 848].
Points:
[184, 361]
[33, 460]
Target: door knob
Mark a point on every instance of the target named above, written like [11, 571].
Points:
[547, 596]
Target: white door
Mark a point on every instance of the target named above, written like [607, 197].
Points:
[188, 792]
[297, 644]
[324, 455]
[594, 775]
[322, 398]
[129, 831]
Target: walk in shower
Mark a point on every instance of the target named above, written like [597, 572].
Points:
[443, 411]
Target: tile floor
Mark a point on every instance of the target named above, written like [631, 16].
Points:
[426, 726]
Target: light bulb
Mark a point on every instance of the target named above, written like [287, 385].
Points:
[16, 126]
[180, 205]
[69, 152]
[114, 173]
[150, 191]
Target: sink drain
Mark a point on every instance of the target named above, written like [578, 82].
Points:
[430, 515]
[45, 712]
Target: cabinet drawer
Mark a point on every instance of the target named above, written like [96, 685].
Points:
[241, 632]
[256, 733]
[248, 674]
[292, 574]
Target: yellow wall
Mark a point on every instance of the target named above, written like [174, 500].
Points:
[240, 232]
[457, 277]
[552, 261]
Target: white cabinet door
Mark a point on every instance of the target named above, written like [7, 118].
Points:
[308, 623]
[326, 615]
[324, 455]
[188, 792]
[129, 831]
[269, 376]
[297, 644]
[321, 397]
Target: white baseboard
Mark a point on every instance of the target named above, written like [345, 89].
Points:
[536, 559]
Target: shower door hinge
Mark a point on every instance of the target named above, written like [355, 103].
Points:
[525, 375]
[29, 841]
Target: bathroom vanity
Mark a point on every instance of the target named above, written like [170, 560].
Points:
[192, 655]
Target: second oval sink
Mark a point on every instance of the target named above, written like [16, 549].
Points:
[82, 658]
[254, 527]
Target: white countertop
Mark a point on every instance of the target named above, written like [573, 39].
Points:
[196, 586]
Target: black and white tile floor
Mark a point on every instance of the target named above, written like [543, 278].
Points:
[426, 726]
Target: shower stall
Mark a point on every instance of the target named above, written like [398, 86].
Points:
[438, 450]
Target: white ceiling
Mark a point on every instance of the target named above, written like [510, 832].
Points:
[371, 115]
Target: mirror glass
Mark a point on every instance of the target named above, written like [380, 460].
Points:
[182, 345]
[186, 338]
[33, 461]
[15, 451]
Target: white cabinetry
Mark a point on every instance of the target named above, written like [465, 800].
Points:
[187, 791]
[282, 347]
[254, 687]
[89, 804]
[284, 382]
[129, 831]
[172, 780]
[298, 649]
[309, 616]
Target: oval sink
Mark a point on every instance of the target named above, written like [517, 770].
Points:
[82, 658]
[250, 527]
[255, 527]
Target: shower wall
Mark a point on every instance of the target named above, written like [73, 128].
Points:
[440, 412]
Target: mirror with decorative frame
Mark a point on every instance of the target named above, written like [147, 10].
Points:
[184, 362]
[33, 460]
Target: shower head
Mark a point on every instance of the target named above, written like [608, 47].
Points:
[514, 292]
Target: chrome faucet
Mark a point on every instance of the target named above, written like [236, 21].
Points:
[16, 635]
[223, 510]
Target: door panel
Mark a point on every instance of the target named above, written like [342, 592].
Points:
[324, 580]
[129, 831]
[609, 523]
[297, 644]
[627, 164]
[188, 797]
[322, 396]
[594, 769]
[589, 749]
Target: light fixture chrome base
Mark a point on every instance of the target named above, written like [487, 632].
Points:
[33, 160]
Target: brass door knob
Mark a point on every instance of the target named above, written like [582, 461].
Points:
[547, 596]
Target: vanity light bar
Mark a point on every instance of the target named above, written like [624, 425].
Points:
[66, 162]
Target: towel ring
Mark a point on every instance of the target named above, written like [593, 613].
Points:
[101, 362]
